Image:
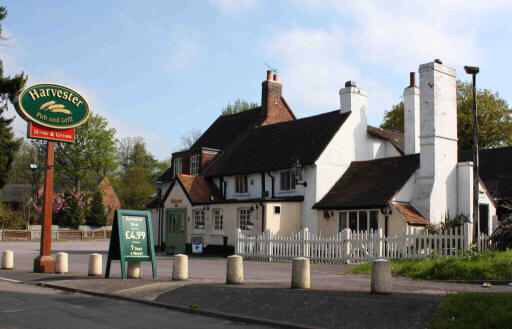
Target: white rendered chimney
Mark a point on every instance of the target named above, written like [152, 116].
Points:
[412, 116]
[355, 101]
[436, 181]
[352, 98]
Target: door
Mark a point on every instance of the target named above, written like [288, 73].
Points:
[483, 212]
[176, 232]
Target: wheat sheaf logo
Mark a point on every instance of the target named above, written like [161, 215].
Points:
[54, 107]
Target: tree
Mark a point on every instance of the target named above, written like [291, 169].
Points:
[9, 89]
[71, 214]
[90, 157]
[189, 139]
[20, 172]
[135, 186]
[238, 106]
[494, 121]
[96, 214]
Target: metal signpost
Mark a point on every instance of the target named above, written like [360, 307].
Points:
[52, 112]
[131, 240]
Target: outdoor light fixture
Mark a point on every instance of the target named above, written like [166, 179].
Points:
[298, 174]
[473, 71]
[33, 166]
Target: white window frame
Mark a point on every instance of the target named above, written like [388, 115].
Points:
[199, 215]
[194, 164]
[178, 166]
[241, 181]
[287, 181]
[217, 217]
[244, 219]
[358, 224]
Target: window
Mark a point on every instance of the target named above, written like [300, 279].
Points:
[241, 184]
[277, 209]
[177, 167]
[244, 219]
[199, 219]
[194, 164]
[218, 221]
[287, 180]
[358, 221]
[342, 221]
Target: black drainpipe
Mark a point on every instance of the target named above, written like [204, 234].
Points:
[272, 187]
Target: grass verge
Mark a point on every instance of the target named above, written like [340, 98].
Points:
[485, 266]
[474, 310]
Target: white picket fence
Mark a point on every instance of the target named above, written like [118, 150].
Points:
[349, 247]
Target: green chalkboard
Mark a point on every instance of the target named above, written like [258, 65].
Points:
[132, 240]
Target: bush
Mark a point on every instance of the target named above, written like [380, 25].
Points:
[10, 219]
[502, 236]
[71, 214]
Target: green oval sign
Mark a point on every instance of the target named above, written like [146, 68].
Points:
[53, 106]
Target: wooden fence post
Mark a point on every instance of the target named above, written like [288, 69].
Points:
[268, 243]
[345, 238]
[305, 243]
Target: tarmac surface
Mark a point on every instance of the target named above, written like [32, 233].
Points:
[337, 299]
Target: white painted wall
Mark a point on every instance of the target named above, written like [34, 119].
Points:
[406, 193]
[381, 149]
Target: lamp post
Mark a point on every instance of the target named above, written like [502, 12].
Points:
[473, 71]
[33, 168]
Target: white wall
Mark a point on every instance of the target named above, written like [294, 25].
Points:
[381, 149]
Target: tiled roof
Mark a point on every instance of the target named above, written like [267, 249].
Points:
[227, 128]
[278, 146]
[197, 188]
[15, 192]
[495, 170]
[411, 215]
[396, 138]
[370, 184]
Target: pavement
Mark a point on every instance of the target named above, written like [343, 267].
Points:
[337, 299]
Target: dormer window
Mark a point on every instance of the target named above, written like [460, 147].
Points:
[194, 164]
[287, 182]
[177, 167]
[241, 184]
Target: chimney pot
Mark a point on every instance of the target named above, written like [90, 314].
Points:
[438, 61]
[350, 83]
[269, 75]
[412, 79]
[276, 77]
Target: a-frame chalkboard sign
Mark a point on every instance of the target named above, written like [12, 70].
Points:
[131, 240]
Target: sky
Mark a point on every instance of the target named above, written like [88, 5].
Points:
[161, 69]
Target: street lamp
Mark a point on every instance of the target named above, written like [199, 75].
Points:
[33, 168]
[473, 71]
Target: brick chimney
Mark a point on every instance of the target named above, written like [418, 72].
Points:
[273, 105]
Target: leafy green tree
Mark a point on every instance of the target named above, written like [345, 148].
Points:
[71, 214]
[96, 213]
[79, 165]
[239, 105]
[494, 121]
[9, 88]
[135, 186]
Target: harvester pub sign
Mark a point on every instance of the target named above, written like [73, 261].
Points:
[53, 106]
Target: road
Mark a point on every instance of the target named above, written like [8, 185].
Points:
[30, 307]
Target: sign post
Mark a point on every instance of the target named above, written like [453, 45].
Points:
[131, 240]
[45, 263]
[52, 112]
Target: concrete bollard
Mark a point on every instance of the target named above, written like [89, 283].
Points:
[180, 267]
[381, 277]
[95, 265]
[301, 273]
[61, 263]
[235, 270]
[7, 260]
[134, 270]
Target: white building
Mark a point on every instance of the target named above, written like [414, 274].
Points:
[264, 169]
